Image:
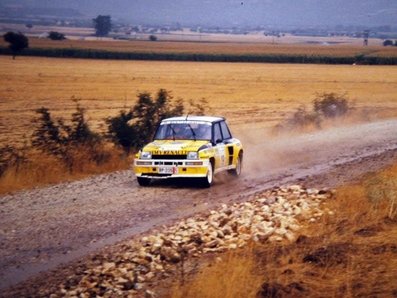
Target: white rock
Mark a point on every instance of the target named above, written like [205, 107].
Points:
[295, 187]
[108, 265]
[290, 236]
[280, 231]
[275, 238]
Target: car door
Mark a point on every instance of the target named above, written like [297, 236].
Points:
[227, 140]
[220, 147]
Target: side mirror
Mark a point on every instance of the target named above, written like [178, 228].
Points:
[218, 141]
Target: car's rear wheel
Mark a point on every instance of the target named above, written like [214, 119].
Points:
[239, 165]
[143, 181]
[209, 179]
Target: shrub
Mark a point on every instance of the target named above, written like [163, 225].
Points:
[132, 129]
[325, 106]
[302, 117]
[121, 132]
[53, 35]
[153, 38]
[60, 140]
[11, 157]
[330, 105]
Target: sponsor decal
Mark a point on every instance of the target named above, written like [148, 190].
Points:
[169, 152]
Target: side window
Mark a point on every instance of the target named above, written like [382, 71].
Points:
[217, 132]
[225, 131]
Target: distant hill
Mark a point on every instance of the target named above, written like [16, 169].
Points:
[22, 11]
[228, 12]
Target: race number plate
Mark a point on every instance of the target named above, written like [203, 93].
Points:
[168, 170]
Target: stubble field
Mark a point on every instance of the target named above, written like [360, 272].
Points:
[245, 93]
[333, 47]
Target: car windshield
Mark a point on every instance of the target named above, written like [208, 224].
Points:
[184, 130]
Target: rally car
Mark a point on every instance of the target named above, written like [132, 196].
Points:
[189, 147]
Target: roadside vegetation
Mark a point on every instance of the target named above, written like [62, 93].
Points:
[350, 252]
[326, 107]
[64, 149]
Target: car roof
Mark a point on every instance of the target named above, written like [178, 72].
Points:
[195, 118]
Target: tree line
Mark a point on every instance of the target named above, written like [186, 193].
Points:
[207, 57]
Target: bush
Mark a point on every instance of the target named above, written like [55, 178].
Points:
[132, 129]
[330, 105]
[153, 38]
[60, 140]
[11, 157]
[325, 106]
[53, 35]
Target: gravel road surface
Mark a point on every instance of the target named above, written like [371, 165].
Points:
[43, 228]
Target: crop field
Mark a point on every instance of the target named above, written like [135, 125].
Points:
[245, 93]
[338, 49]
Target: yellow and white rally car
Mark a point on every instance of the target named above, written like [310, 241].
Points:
[189, 147]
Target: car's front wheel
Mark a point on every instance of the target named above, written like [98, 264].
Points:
[143, 181]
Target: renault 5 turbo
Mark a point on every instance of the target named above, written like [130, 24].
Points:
[189, 147]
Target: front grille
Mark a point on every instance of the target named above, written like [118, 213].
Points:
[168, 163]
[169, 157]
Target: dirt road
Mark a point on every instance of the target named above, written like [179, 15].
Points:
[40, 229]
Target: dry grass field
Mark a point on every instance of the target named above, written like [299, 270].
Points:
[349, 253]
[337, 48]
[245, 93]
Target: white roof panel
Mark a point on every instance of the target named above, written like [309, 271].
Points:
[195, 118]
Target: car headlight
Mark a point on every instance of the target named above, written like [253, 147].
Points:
[192, 155]
[146, 155]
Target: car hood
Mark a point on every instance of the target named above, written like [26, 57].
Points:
[177, 147]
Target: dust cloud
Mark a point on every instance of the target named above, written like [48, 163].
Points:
[266, 153]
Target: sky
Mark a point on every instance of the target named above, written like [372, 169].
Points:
[235, 13]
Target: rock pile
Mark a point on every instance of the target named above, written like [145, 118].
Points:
[274, 215]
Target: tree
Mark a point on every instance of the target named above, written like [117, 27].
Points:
[53, 35]
[387, 42]
[17, 41]
[102, 25]
[153, 38]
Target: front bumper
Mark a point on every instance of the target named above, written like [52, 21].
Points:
[163, 169]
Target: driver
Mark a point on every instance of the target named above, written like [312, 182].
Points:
[204, 132]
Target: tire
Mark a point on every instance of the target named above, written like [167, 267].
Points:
[239, 165]
[209, 179]
[143, 181]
